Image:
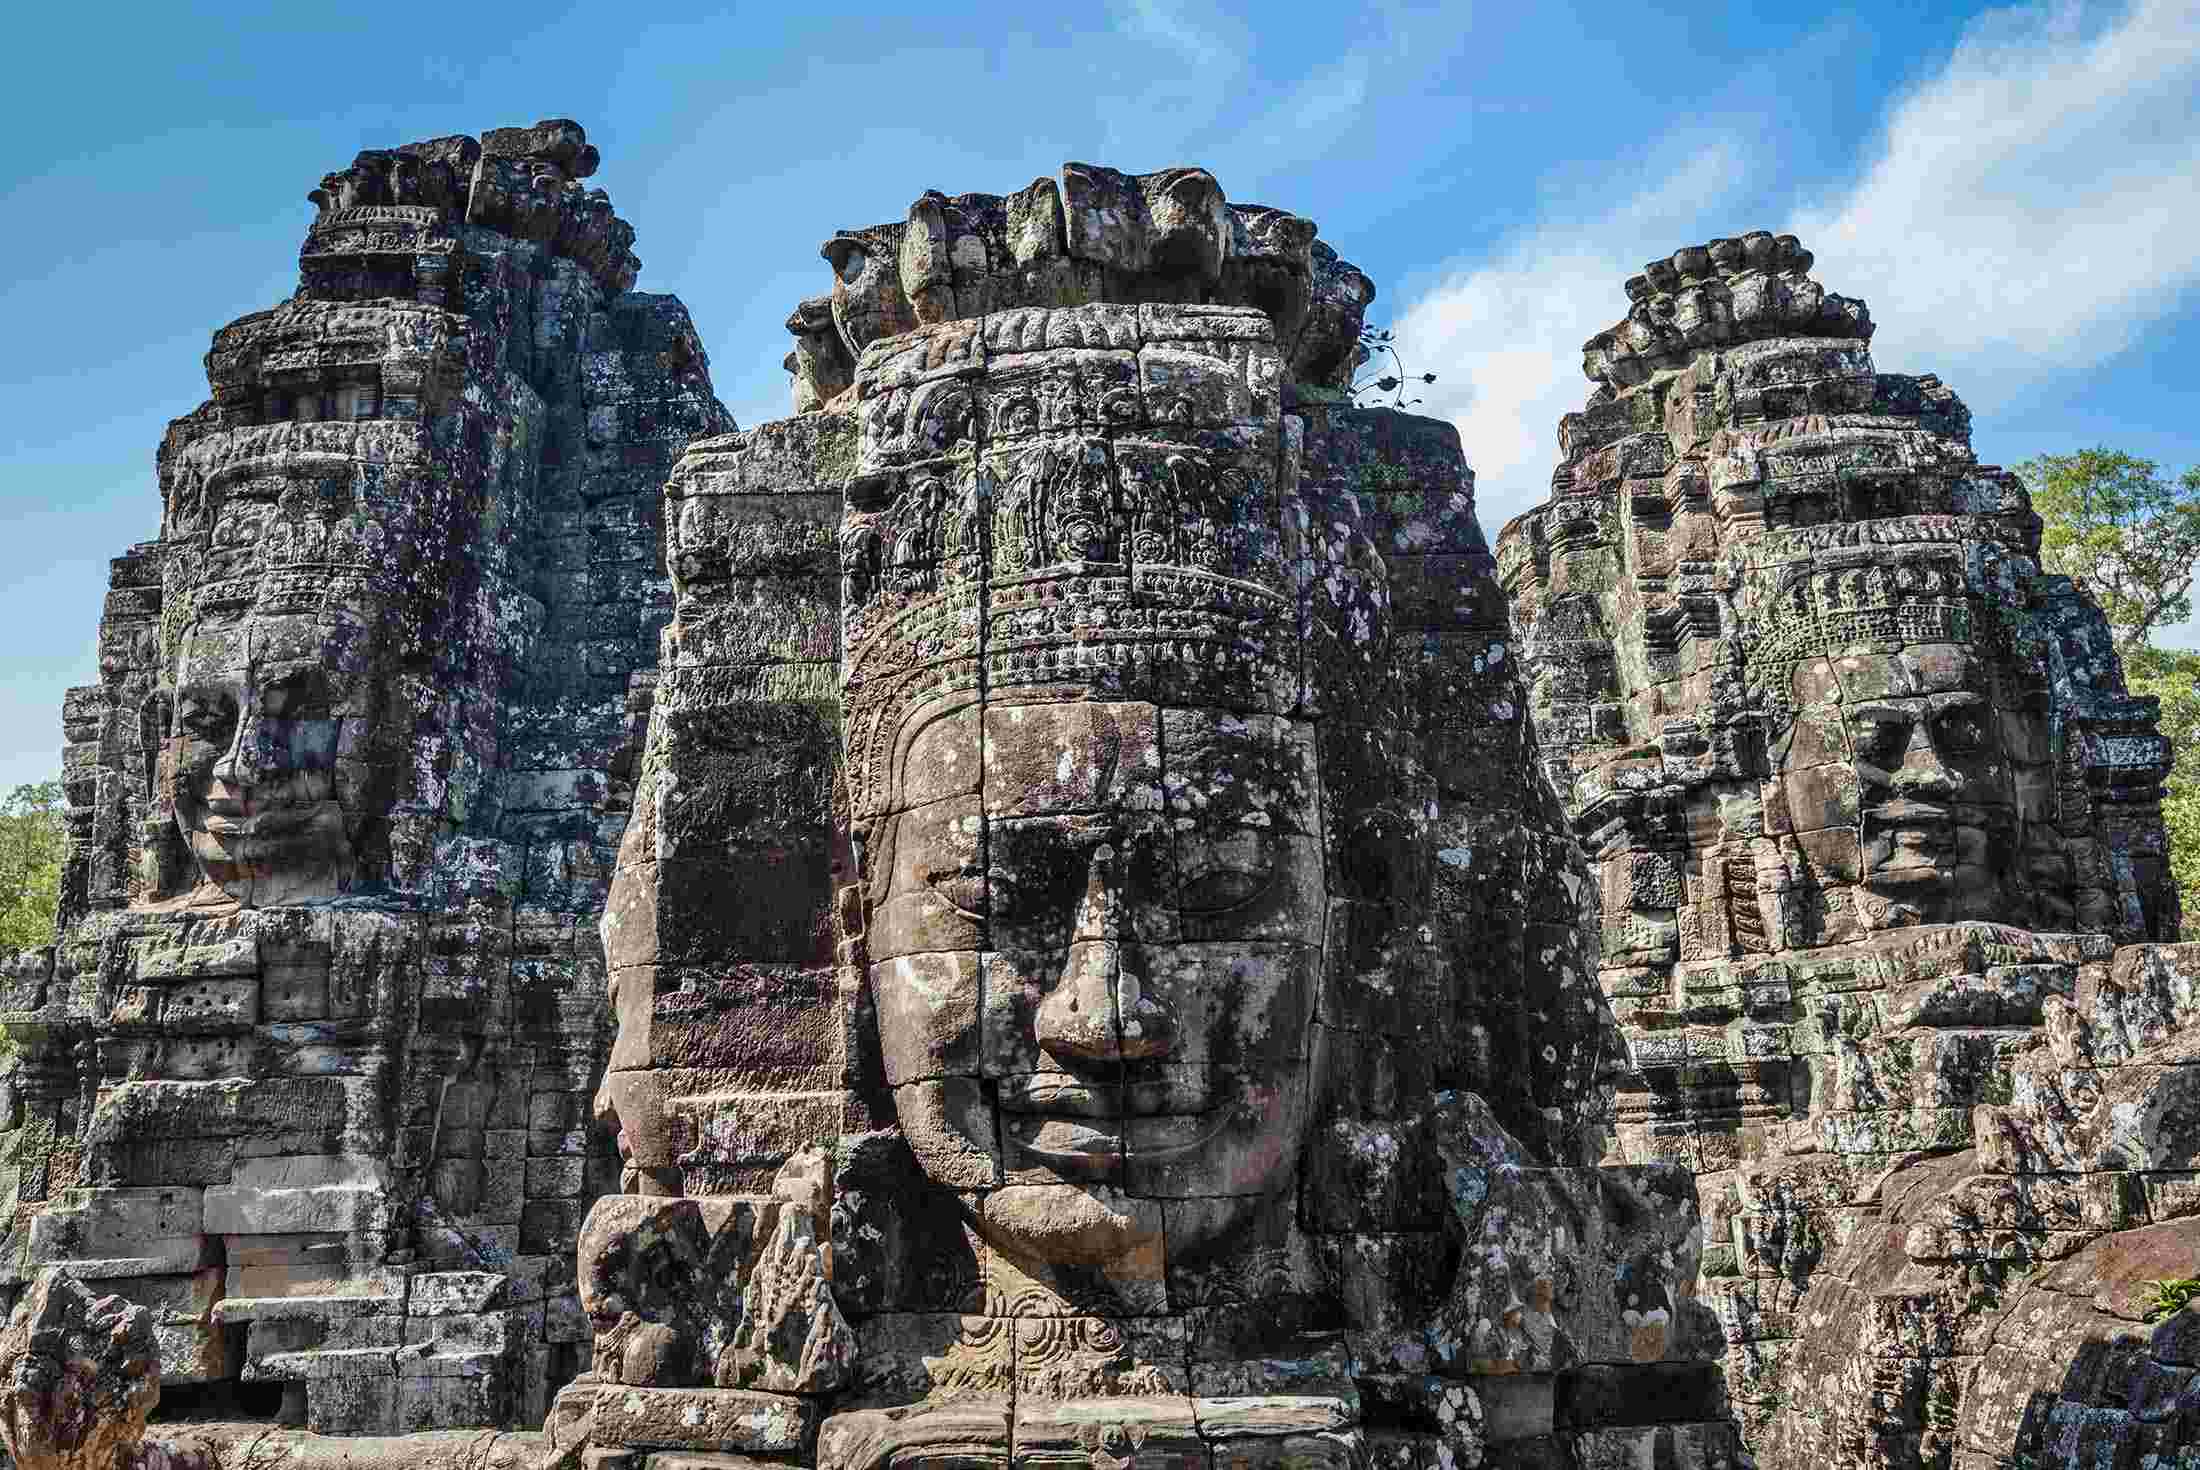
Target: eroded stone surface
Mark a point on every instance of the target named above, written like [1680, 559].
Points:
[79, 1374]
[1122, 946]
[1088, 235]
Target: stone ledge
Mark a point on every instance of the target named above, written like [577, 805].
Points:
[267, 1447]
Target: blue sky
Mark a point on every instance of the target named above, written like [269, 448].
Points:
[2016, 191]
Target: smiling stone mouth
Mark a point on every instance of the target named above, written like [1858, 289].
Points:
[267, 821]
[1087, 1127]
[1098, 1145]
[1909, 814]
[1139, 1092]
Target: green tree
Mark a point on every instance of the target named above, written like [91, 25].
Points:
[2172, 675]
[2128, 534]
[30, 864]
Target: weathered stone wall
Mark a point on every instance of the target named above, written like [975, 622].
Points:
[309, 1071]
[1985, 1307]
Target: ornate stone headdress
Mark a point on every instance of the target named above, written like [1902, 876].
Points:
[283, 532]
[1854, 601]
[1745, 492]
[1066, 503]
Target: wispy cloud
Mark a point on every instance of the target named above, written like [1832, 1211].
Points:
[2035, 205]
[2025, 212]
[1198, 41]
[1317, 109]
[1504, 335]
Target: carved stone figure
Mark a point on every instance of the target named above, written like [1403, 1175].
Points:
[1087, 888]
[307, 1074]
[1868, 804]
[261, 706]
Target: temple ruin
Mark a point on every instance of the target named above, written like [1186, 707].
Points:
[1059, 905]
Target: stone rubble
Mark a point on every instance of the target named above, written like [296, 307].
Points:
[1060, 906]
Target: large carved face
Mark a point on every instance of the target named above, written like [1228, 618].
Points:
[1906, 773]
[1095, 931]
[271, 713]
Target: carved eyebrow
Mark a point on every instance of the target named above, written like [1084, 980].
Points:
[1958, 699]
[1879, 709]
[280, 673]
[1050, 831]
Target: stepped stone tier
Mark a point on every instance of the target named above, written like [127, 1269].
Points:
[1058, 907]
[1880, 869]
[308, 1073]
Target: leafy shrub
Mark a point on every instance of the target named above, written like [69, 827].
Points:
[2159, 1299]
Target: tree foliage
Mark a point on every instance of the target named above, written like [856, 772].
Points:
[2131, 537]
[2129, 534]
[30, 864]
[2172, 675]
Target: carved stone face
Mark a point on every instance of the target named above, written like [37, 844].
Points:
[270, 711]
[1901, 772]
[1096, 940]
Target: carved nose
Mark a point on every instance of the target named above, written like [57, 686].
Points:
[1923, 774]
[250, 755]
[239, 765]
[1099, 1010]
[1077, 1018]
[1103, 912]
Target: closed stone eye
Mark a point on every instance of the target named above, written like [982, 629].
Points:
[1219, 874]
[209, 720]
[963, 891]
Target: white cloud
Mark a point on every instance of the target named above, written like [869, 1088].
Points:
[2024, 213]
[1312, 113]
[1504, 335]
[2033, 206]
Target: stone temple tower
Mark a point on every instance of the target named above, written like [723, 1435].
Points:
[308, 1072]
[1882, 881]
